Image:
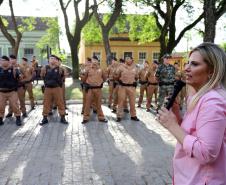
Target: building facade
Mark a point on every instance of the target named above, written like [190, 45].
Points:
[121, 47]
[27, 46]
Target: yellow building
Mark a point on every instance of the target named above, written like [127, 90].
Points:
[121, 47]
[180, 58]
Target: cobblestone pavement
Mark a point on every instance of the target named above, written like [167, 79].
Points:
[126, 153]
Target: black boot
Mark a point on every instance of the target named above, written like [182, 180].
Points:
[1, 121]
[18, 121]
[24, 115]
[135, 118]
[44, 120]
[63, 120]
[9, 115]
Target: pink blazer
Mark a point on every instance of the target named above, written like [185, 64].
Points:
[201, 160]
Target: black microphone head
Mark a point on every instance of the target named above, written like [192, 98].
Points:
[177, 88]
[179, 85]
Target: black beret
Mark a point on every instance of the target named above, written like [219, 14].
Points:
[5, 58]
[25, 59]
[54, 56]
[95, 57]
[114, 58]
[12, 56]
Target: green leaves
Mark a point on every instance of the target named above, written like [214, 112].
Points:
[141, 28]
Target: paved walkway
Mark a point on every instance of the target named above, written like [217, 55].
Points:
[126, 153]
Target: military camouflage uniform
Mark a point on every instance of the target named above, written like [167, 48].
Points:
[166, 78]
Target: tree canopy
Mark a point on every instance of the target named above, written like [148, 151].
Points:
[141, 28]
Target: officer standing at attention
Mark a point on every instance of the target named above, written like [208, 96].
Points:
[94, 78]
[143, 83]
[83, 69]
[20, 87]
[28, 73]
[110, 76]
[152, 84]
[34, 64]
[127, 75]
[9, 77]
[53, 76]
[165, 76]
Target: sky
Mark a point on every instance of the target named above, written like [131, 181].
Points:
[45, 8]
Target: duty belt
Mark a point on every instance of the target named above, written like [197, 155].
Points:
[166, 83]
[143, 82]
[4, 90]
[134, 84]
[28, 81]
[52, 86]
[95, 87]
[150, 83]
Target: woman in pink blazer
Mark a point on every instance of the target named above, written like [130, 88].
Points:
[200, 154]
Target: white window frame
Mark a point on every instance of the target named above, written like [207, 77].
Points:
[155, 52]
[141, 60]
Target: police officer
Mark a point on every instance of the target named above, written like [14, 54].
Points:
[83, 70]
[53, 76]
[34, 64]
[20, 88]
[110, 76]
[94, 78]
[28, 73]
[9, 77]
[116, 88]
[165, 76]
[152, 84]
[143, 82]
[127, 76]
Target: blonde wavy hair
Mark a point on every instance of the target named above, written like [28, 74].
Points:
[215, 58]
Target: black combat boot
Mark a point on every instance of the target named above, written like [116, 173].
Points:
[63, 120]
[24, 115]
[1, 121]
[135, 118]
[18, 121]
[9, 115]
[44, 121]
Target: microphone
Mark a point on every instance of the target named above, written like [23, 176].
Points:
[177, 88]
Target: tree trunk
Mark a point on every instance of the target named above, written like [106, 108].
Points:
[15, 48]
[74, 43]
[209, 21]
[75, 63]
[105, 35]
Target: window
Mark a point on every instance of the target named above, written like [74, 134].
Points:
[156, 55]
[28, 53]
[113, 54]
[142, 57]
[0, 52]
[97, 54]
[10, 51]
[128, 54]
